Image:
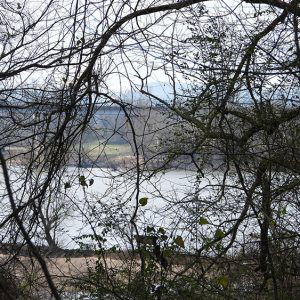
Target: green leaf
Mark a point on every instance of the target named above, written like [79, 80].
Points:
[164, 237]
[282, 212]
[161, 230]
[219, 234]
[82, 180]
[223, 281]
[167, 253]
[179, 241]
[67, 185]
[206, 247]
[143, 201]
[203, 221]
[150, 229]
[113, 249]
[219, 246]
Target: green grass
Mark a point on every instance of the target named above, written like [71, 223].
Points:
[95, 149]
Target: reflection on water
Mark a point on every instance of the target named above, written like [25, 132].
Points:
[81, 204]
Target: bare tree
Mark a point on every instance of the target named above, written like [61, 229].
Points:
[239, 115]
[228, 115]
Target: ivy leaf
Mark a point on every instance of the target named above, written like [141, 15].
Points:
[82, 180]
[203, 221]
[219, 234]
[150, 229]
[143, 201]
[179, 241]
[161, 230]
[223, 281]
[164, 237]
[67, 185]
